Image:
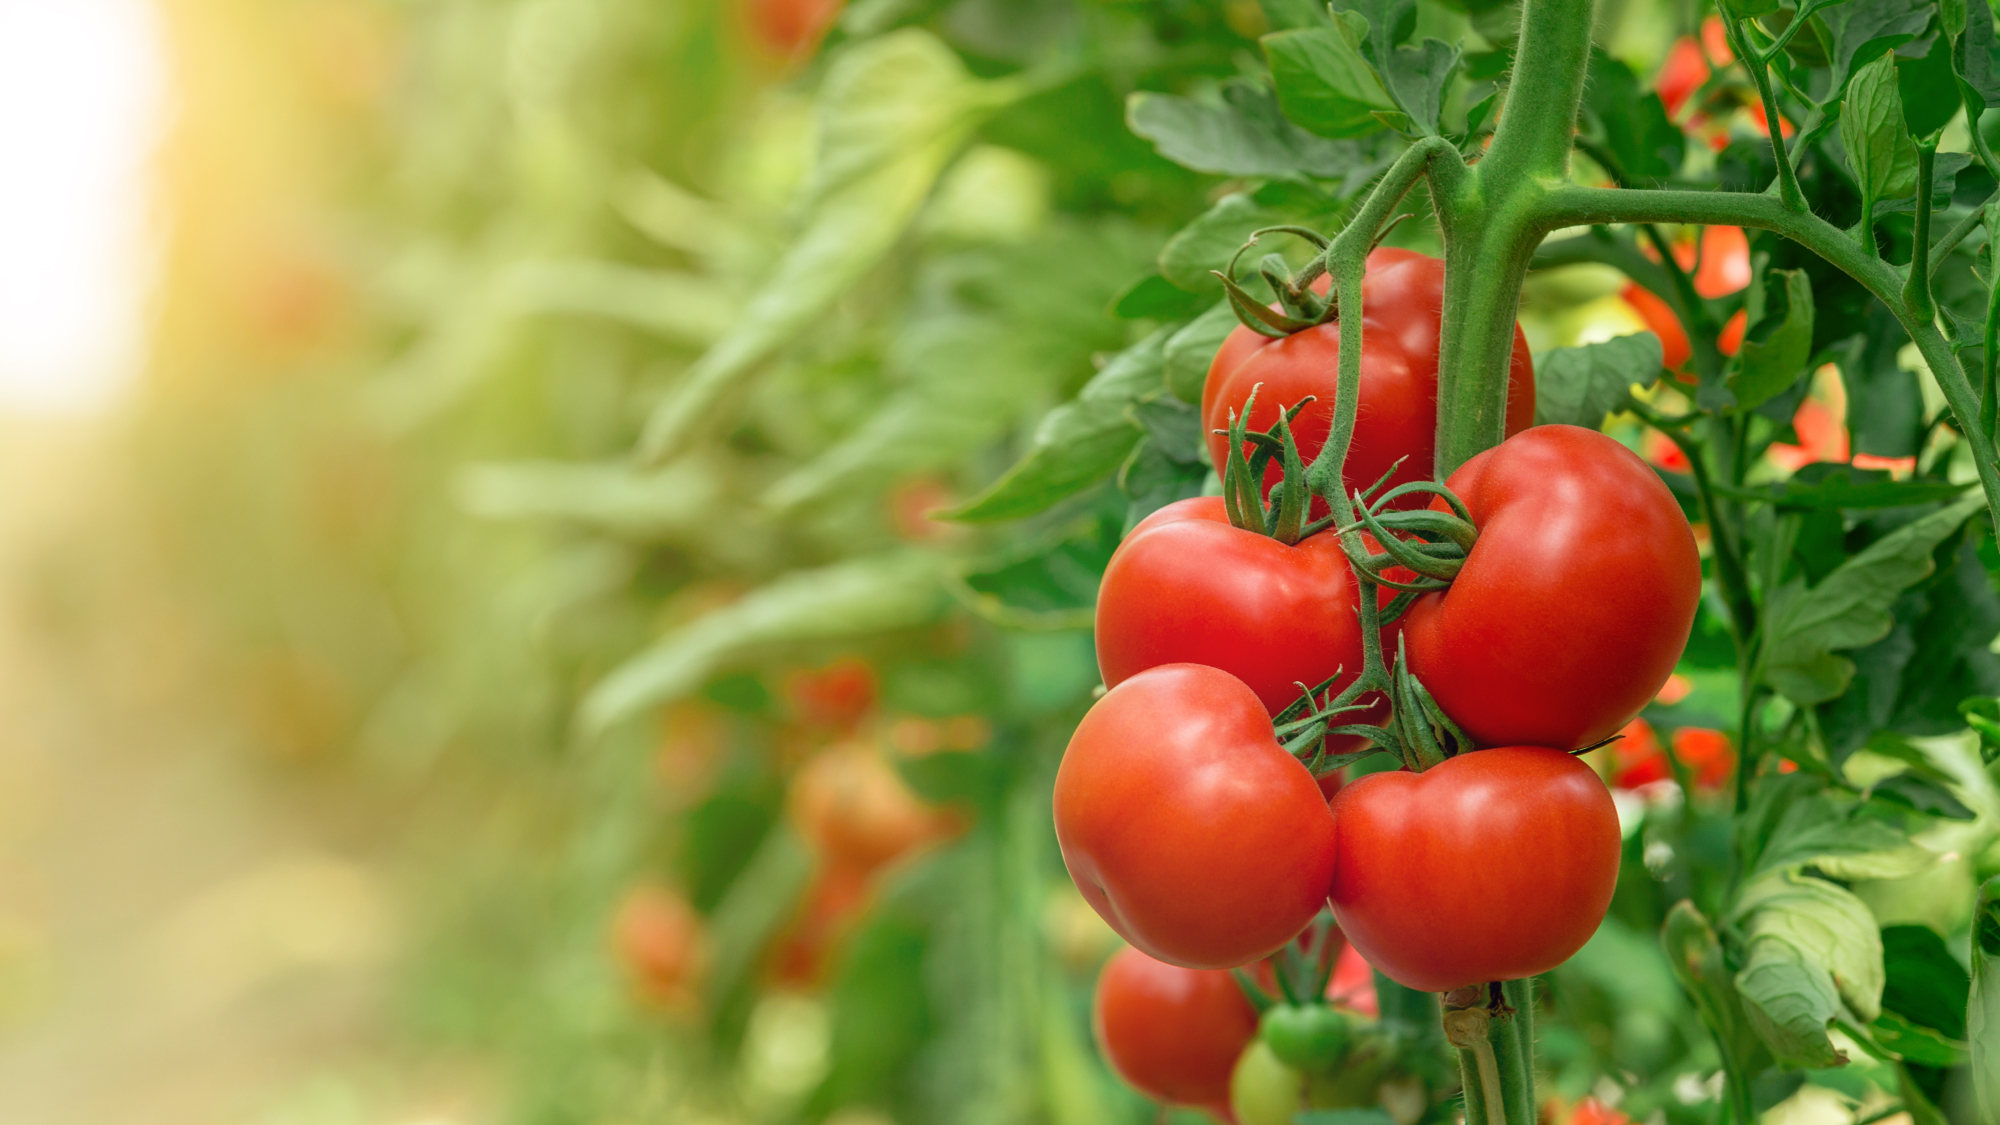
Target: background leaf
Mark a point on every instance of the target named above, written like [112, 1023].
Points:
[1579, 386]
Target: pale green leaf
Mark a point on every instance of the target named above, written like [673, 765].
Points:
[1775, 351]
[1240, 134]
[1982, 1024]
[1323, 82]
[892, 113]
[1789, 1001]
[1875, 136]
[857, 597]
[1826, 923]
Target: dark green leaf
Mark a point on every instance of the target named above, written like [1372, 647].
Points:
[1631, 123]
[1209, 241]
[1190, 350]
[1849, 608]
[1885, 407]
[1922, 794]
[1926, 984]
[1775, 351]
[1048, 583]
[1152, 480]
[1323, 82]
[1285, 14]
[1078, 443]
[1976, 57]
[1174, 426]
[1845, 487]
[1944, 181]
[1843, 837]
[1928, 88]
[1859, 31]
[1579, 386]
[1240, 134]
[1417, 78]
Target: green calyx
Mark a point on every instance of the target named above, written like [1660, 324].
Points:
[1284, 517]
[1299, 308]
[1312, 1036]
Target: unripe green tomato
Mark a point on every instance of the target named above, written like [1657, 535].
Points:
[1264, 1091]
[1310, 1037]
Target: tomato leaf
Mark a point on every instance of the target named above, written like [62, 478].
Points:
[1975, 58]
[1775, 351]
[608, 496]
[1789, 1001]
[1046, 582]
[1241, 133]
[1872, 130]
[1078, 443]
[1155, 298]
[1323, 82]
[1850, 607]
[1414, 76]
[1580, 386]
[1695, 955]
[1843, 837]
[1916, 1043]
[1922, 794]
[1982, 1023]
[1631, 124]
[892, 113]
[1945, 170]
[1925, 983]
[1826, 923]
[860, 596]
[1845, 487]
[1192, 348]
[762, 898]
[1885, 411]
[1859, 31]
[1214, 237]
[1167, 465]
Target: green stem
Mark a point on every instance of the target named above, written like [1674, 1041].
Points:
[1989, 358]
[1958, 233]
[1572, 206]
[1759, 66]
[1917, 291]
[1730, 572]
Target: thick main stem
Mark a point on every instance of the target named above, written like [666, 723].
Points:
[1489, 223]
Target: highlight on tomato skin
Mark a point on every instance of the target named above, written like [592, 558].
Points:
[1172, 1033]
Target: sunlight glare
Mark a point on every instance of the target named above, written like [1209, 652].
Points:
[82, 105]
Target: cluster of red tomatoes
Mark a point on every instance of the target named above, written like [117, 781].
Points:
[1208, 845]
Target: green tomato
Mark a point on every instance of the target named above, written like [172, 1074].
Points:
[1263, 1090]
[1310, 1037]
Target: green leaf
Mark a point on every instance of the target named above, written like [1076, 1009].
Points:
[1078, 443]
[1155, 298]
[1975, 56]
[1885, 406]
[1922, 794]
[1915, 1043]
[1631, 122]
[678, 498]
[1850, 607]
[1872, 130]
[1284, 14]
[1982, 1024]
[1241, 134]
[1926, 984]
[1414, 76]
[1775, 351]
[1695, 955]
[1928, 89]
[1049, 582]
[1826, 923]
[857, 597]
[1845, 487]
[1945, 169]
[893, 111]
[1844, 838]
[1151, 479]
[1213, 238]
[763, 897]
[1579, 386]
[1417, 78]
[1789, 1001]
[1857, 32]
[1323, 82]
[1190, 351]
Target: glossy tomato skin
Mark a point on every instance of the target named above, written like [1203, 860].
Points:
[1185, 824]
[1496, 865]
[1574, 603]
[1186, 587]
[1172, 1033]
[1402, 303]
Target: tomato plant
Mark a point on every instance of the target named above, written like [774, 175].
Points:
[1591, 624]
[1496, 865]
[1185, 823]
[1174, 1033]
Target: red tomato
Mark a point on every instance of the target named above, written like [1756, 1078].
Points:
[1822, 437]
[1497, 864]
[1173, 1033]
[1659, 316]
[792, 27]
[1730, 339]
[1402, 299]
[853, 807]
[1682, 74]
[1186, 587]
[837, 696]
[839, 894]
[659, 938]
[1725, 262]
[1706, 752]
[1186, 825]
[1638, 757]
[1574, 603]
[1352, 985]
[1590, 1111]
